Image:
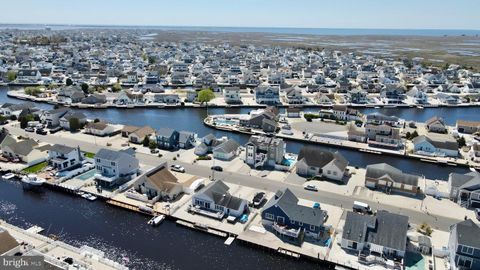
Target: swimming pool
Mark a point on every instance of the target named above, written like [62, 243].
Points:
[87, 175]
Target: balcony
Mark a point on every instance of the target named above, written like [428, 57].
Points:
[284, 230]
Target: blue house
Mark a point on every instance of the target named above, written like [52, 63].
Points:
[167, 138]
[464, 245]
[288, 219]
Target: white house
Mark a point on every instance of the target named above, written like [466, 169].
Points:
[313, 162]
[62, 157]
[115, 167]
[232, 95]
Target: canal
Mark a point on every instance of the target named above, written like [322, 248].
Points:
[191, 119]
[125, 237]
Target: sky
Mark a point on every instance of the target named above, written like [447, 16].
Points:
[384, 14]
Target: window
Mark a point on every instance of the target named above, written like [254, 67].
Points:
[292, 221]
[269, 216]
[113, 163]
[334, 173]
[300, 223]
[465, 262]
[467, 250]
[312, 227]
[281, 220]
[329, 172]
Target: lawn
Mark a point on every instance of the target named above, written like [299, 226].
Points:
[89, 155]
[36, 168]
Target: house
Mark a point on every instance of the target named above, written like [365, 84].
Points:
[293, 112]
[226, 150]
[52, 117]
[26, 151]
[70, 94]
[167, 138]
[232, 95]
[436, 145]
[469, 127]
[95, 99]
[99, 128]
[207, 144]
[159, 184]
[139, 135]
[357, 97]
[65, 120]
[113, 168]
[9, 109]
[8, 244]
[62, 157]
[263, 151]
[388, 178]
[464, 189]
[464, 245]
[216, 198]
[381, 119]
[314, 162]
[28, 76]
[447, 99]
[383, 136]
[383, 235]
[294, 95]
[392, 95]
[186, 139]
[355, 133]
[267, 95]
[417, 96]
[436, 124]
[291, 220]
[127, 130]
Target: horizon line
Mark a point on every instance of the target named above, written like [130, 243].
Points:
[255, 27]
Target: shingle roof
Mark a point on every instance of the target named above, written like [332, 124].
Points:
[315, 157]
[469, 181]
[23, 148]
[63, 149]
[467, 233]
[162, 178]
[7, 242]
[218, 192]
[380, 170]
[227, 146]
[165, 132]
[288, 202]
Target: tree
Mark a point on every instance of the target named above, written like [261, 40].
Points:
[24, 120]
[152, 144]
[84, 87]
[68, 82]
[116, 87]
[461, 142]
[74, 124]
[11, 75]
[408, 135]
[96, 120]
[205, 95]
[146, 141]
[414, 135]
[151, 60]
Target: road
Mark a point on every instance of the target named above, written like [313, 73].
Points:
[322, 196]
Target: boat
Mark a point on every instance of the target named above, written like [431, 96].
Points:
[91, 197]
[156, 220]
[8, 176]
[32, 181]
[420, 107]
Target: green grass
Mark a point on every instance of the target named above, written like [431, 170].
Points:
[89, 155]
[36, 168]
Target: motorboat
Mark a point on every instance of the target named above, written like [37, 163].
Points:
[8, 176]
[155, 221]
[32, 181]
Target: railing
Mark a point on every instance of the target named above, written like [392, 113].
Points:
[285, 231]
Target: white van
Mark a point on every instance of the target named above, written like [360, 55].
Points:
[361, 207]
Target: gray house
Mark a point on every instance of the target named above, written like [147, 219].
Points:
[381, 236]
[263, 151]
[167, 138]
[314, 162]
[465, 188]
[115, 167]
[186, 139]
[52, 117]
[464, 245]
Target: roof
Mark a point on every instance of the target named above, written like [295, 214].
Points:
[438, 140]
[218, 193]
[108, 154]
[469, 181]
[23, 148]
[7, 242]
[473, 124]
[382, 170]
[227, 146]
[161, 178]
[70, 115]
[143, 131]
[184, 136]
[433, 120]
[97, 125]
[62, 149]
[165, 132]
[288, 202]
[315, 157]
[355, 228]
[129, 129]
[467, 233]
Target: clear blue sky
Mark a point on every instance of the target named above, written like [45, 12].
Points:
[407, 14]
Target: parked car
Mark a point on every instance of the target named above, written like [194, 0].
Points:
[30, 129]
[41, 131]
[154, 151]
[361, 207]
[258, 199]
[311, 188]
[217, 168]
[177, 168]
[477, 213]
